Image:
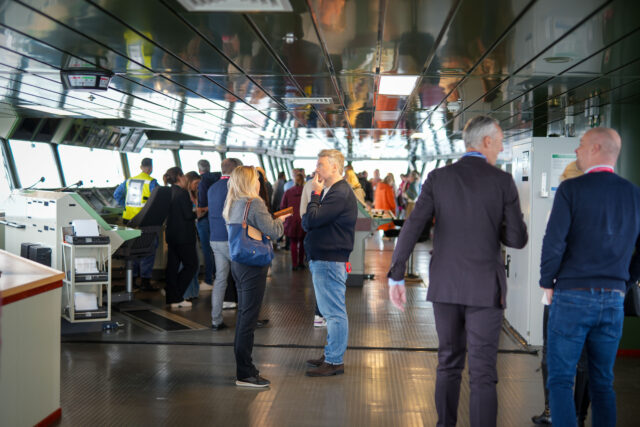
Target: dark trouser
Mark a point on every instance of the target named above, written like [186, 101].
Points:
[297, 251]
[203, 234]
[231, 293]
[581, 390]
[250, 282]
[144, 266]
[177, 283]
[477, 328]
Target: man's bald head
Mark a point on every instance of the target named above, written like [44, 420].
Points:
[608, 139]
[599, 146]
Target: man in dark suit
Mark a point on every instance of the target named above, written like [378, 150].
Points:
[476, 207]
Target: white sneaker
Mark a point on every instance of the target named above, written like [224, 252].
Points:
[181, 304]
[204, 286]
[319, 322]
[226, 305]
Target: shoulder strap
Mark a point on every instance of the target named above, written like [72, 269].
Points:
[246, 214]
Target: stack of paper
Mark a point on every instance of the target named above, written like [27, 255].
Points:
[85, 227]
[86, 266]
[86, 301]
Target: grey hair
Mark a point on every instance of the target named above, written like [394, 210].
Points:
[477, 128]
[335, 157]
[204, 166]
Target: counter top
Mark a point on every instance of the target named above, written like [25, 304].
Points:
[22, 278]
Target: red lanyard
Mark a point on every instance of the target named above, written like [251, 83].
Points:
[602, 169]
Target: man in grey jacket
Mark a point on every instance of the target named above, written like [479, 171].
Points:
[476, 208]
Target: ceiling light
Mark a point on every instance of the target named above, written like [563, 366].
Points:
[50, 110]
[397, 85]
[308, 100]
[452, 71]
[557, 59]
[236, 5]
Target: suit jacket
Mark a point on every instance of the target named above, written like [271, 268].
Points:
[476, 207]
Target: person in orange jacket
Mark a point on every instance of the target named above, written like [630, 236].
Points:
[384, 198]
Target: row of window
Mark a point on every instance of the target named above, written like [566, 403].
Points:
[95, 167]
[103, 168]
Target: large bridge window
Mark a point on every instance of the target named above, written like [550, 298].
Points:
[309, 165]
[33, 161]
[162, 160]
[395, 167]
[189, 160]
[247, 158]
[92, 166]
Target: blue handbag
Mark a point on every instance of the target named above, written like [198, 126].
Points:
[246, 250]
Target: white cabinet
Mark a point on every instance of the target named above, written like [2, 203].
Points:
[87, 279]
[537, 166]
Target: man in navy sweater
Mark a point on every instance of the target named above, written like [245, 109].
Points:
[587, 254]
[330, 223]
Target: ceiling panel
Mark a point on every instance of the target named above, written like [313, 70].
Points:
[204, 74]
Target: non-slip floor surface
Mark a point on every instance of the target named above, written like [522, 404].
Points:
[142, 376]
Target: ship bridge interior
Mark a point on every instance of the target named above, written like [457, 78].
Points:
[88, 88]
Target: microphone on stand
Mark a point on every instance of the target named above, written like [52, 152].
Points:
[79, 184]
[35, 183]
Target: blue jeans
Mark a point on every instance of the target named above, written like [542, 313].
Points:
[329, 278]
[207, 253]
[577, 318]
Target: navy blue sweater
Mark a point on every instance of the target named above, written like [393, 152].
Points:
[330, 224]
[592, 234]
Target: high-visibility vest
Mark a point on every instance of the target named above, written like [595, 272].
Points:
[138, 192]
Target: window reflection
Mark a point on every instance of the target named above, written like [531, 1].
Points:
[33, 161]
[79, 164]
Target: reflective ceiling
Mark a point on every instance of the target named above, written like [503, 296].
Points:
[224, 78]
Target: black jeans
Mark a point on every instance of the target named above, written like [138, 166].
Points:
[177, 283]
[250, 282]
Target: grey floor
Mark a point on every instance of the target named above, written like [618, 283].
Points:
[140, 375]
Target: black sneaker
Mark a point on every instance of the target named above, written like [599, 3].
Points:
[255, 382]
[219, 327]
[543, 418]
[262, 323]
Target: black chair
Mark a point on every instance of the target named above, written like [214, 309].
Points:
[149, 220]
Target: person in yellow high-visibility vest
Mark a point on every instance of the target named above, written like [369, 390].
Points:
[133, 195]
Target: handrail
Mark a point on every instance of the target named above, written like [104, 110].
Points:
[12, 224]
